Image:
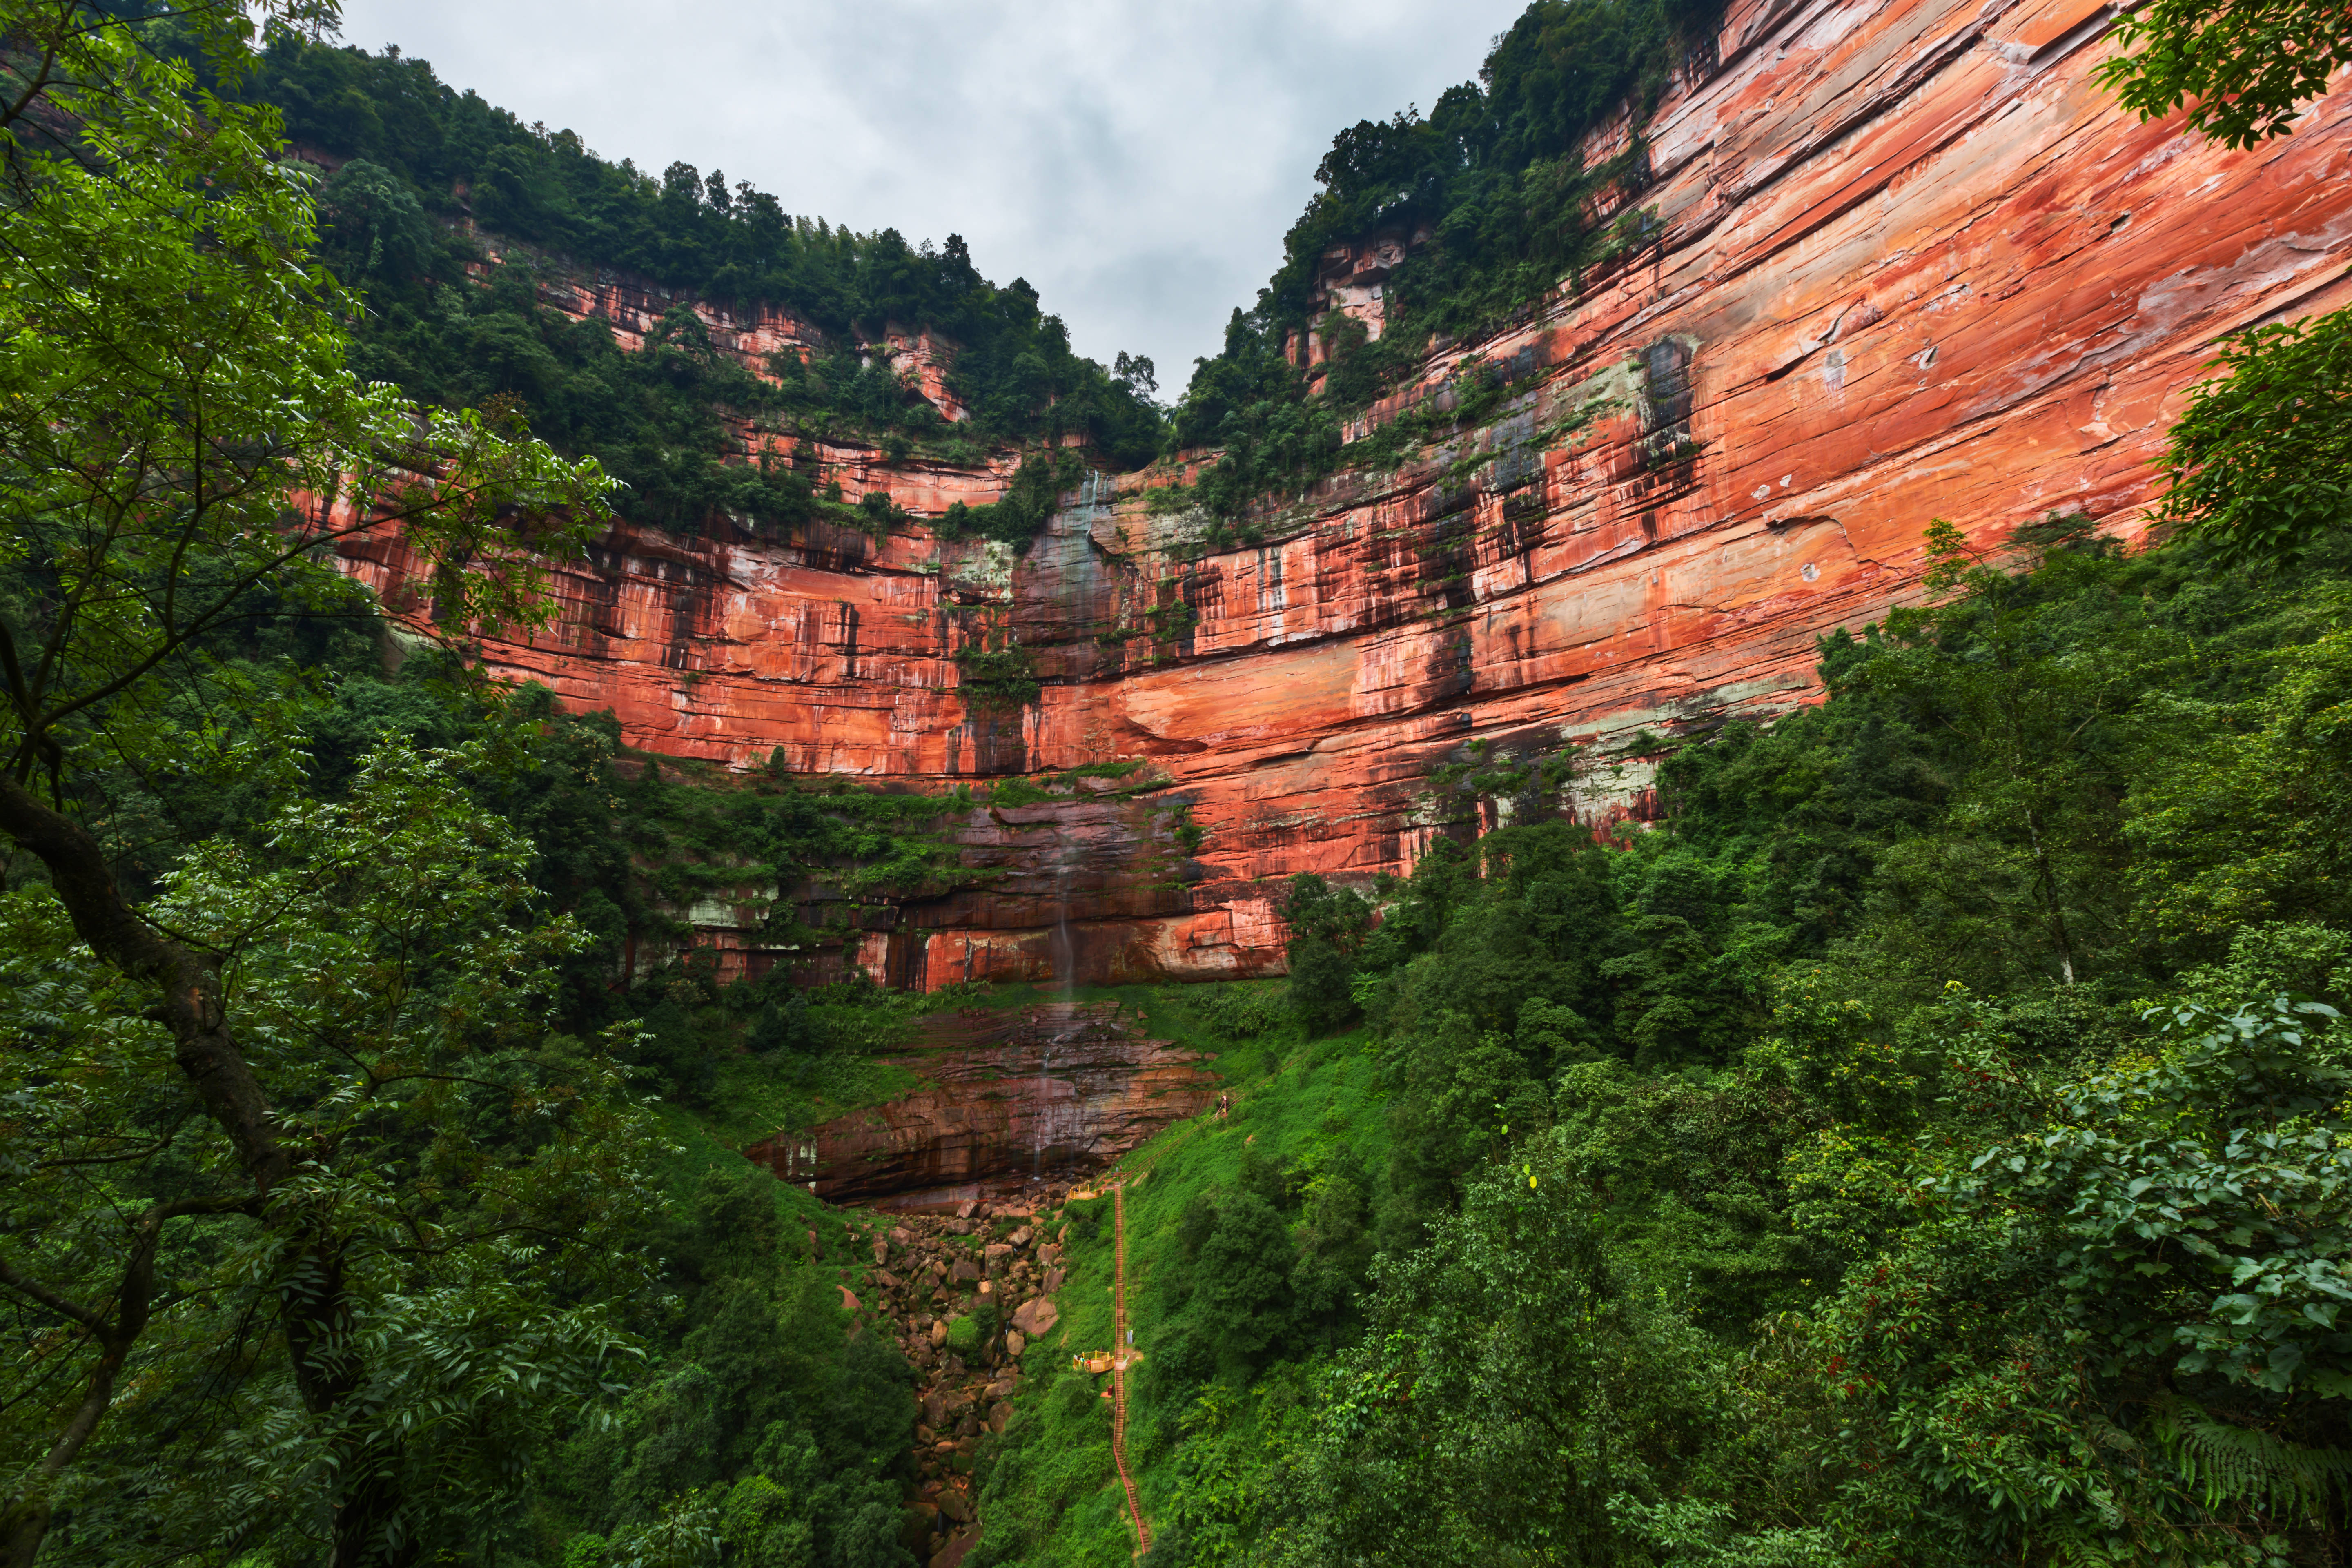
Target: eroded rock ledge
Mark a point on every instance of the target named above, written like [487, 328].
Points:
[1014, 1095]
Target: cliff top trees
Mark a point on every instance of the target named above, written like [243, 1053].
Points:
[454, 154]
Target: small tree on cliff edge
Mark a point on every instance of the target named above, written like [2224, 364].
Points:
[2261, 461]
[1326, 925]
[182, 444]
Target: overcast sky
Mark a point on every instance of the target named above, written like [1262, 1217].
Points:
[1138, 163]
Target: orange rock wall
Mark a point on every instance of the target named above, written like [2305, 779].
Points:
[1909, 262]
[1013, 1097]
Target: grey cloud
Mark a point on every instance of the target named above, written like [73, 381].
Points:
[1137, 163]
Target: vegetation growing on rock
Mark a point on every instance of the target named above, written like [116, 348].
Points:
[1926, 1143]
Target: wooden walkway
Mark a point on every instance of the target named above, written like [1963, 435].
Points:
[1118, 1357]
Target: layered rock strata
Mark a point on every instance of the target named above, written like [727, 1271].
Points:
[1083, 875]
[1892, 260]
[1013, 1097]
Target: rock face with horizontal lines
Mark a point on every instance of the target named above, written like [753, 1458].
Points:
[1907, 261]
[1013, 1095]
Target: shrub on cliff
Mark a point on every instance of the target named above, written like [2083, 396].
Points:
[995, 680]
[1325, 926]
[1027, 503]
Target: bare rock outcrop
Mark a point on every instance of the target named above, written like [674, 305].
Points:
[1011, 1093]
[1901, 259]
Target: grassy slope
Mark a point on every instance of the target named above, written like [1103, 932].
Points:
[753, 1100]
[1052, 1480]
[1297, 1101]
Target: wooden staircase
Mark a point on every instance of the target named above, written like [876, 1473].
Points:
[1118, 1360]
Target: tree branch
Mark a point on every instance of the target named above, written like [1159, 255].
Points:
[191, 1005]
[47, 1298]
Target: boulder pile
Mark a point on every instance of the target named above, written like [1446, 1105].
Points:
[964, 1296]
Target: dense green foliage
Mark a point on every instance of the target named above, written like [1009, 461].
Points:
[1924, 1144]
[484, 1173]
[422, 154]
[763, 1433]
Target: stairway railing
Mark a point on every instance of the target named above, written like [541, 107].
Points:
[1119, 1363]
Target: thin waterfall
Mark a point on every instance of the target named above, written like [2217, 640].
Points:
[1078, 580]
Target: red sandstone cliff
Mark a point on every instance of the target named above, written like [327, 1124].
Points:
[1912, 263]
[1013, 1095]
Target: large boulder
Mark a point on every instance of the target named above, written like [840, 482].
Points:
[1033, 1318]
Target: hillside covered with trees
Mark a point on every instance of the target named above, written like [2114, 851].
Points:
[1926, 1144]
[420, 168]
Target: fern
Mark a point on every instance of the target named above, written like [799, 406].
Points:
[2231, 1465]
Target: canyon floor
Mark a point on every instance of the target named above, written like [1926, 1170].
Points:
[964, 1297]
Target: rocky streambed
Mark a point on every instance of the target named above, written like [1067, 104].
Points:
[964, 1295]
[962, 1183]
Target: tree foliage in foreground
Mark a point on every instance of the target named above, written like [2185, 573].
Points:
[2243, 69]
[373, 1352]
[221, 1127]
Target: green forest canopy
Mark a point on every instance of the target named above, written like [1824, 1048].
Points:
[414, 156]
[1925, 1145]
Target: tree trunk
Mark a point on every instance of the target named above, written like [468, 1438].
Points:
[2048, 880]
[26, 1522]
[190, 1008]
[207, 1056]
